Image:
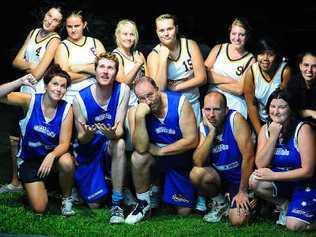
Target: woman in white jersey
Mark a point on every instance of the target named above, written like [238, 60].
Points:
[262, 78]
[226, 63]
[177, 64]
[76, 54]
[34, 57]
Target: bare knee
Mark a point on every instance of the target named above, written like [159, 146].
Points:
[119, 149]
[140, 160]
[39, 206]
[295, 225]
[196, 175]
[236, 219]
[65, 163]
[184, 211]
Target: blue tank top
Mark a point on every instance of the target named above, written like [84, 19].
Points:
[166, 131]
[39, 136]
[225, 156]
[96, 114]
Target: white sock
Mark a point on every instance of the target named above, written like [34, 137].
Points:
[155, 189]
[144, 196]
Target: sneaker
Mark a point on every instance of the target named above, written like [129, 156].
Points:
[154, 198]
[141, 210]
[200, 204]
[10, 188]
[129, 199]
[117, 215]
[66, 207]
[218, 210]
[283, 211]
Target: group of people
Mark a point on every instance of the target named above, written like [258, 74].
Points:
[85, 109]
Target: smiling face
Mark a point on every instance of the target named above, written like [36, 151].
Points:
[266, 59]
[279, 111]
[126, 35]
[56, 88]
[308, 67]
[52, 20]
[238, 36]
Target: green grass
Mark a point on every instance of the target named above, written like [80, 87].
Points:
[16, 218]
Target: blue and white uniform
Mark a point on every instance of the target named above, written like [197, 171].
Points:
[92, 157]
[85, 53]
[181, 68]
[34, 53]
[40, 135]
[178, 189]
[302, 193]
[233, 68]
[225, 156]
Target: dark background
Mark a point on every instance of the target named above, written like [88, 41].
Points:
[294, 28]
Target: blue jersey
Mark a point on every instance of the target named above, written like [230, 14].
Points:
[225, 156]
[163, 132]
[97, 114]
[39, 135]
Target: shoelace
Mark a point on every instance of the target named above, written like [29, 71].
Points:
[140, 207]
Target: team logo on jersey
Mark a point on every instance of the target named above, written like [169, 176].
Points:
[165, 130]
[179, 198]
[219, 148]
[44, 130]
[102, 117]
[281, 152]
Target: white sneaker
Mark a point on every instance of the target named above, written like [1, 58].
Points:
[117, 215]
[283, 211]
[141, 210]
[66, 207]
[200, 204]
[129, 199]
[218, 210]
[10, 188]
[154, 197]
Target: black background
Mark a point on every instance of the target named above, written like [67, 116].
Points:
[293, 25]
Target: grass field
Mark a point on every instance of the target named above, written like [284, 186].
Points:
[17, 218]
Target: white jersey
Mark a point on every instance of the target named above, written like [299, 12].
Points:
[81, 54]
[128, 65]
[264, 88]
[234, 69]
[34, 53]
[181, 68]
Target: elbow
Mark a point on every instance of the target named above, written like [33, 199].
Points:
[308, 173]
[239, 91]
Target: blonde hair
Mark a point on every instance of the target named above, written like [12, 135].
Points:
[241, 22]
[119, 28]
[167, 16]
[108, 56]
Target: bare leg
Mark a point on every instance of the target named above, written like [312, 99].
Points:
[37, 195]
[118, 168]
[14, 141]
[65, 167]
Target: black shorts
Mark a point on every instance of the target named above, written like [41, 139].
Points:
[27, 171]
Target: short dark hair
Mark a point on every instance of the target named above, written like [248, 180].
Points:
[55, 70]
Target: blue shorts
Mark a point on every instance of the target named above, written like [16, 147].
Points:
[178, 189]
[90, 180]
[302, 204]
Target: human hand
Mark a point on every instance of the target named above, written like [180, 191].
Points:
[242, 203]
[28, 80]
[274, 129]
[207, 123]
[46, 165]
[107, 131]
[142, 110]
[264, 174]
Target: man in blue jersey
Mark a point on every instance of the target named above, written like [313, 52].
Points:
[99, 148]
[164, 132]
[224, 160]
